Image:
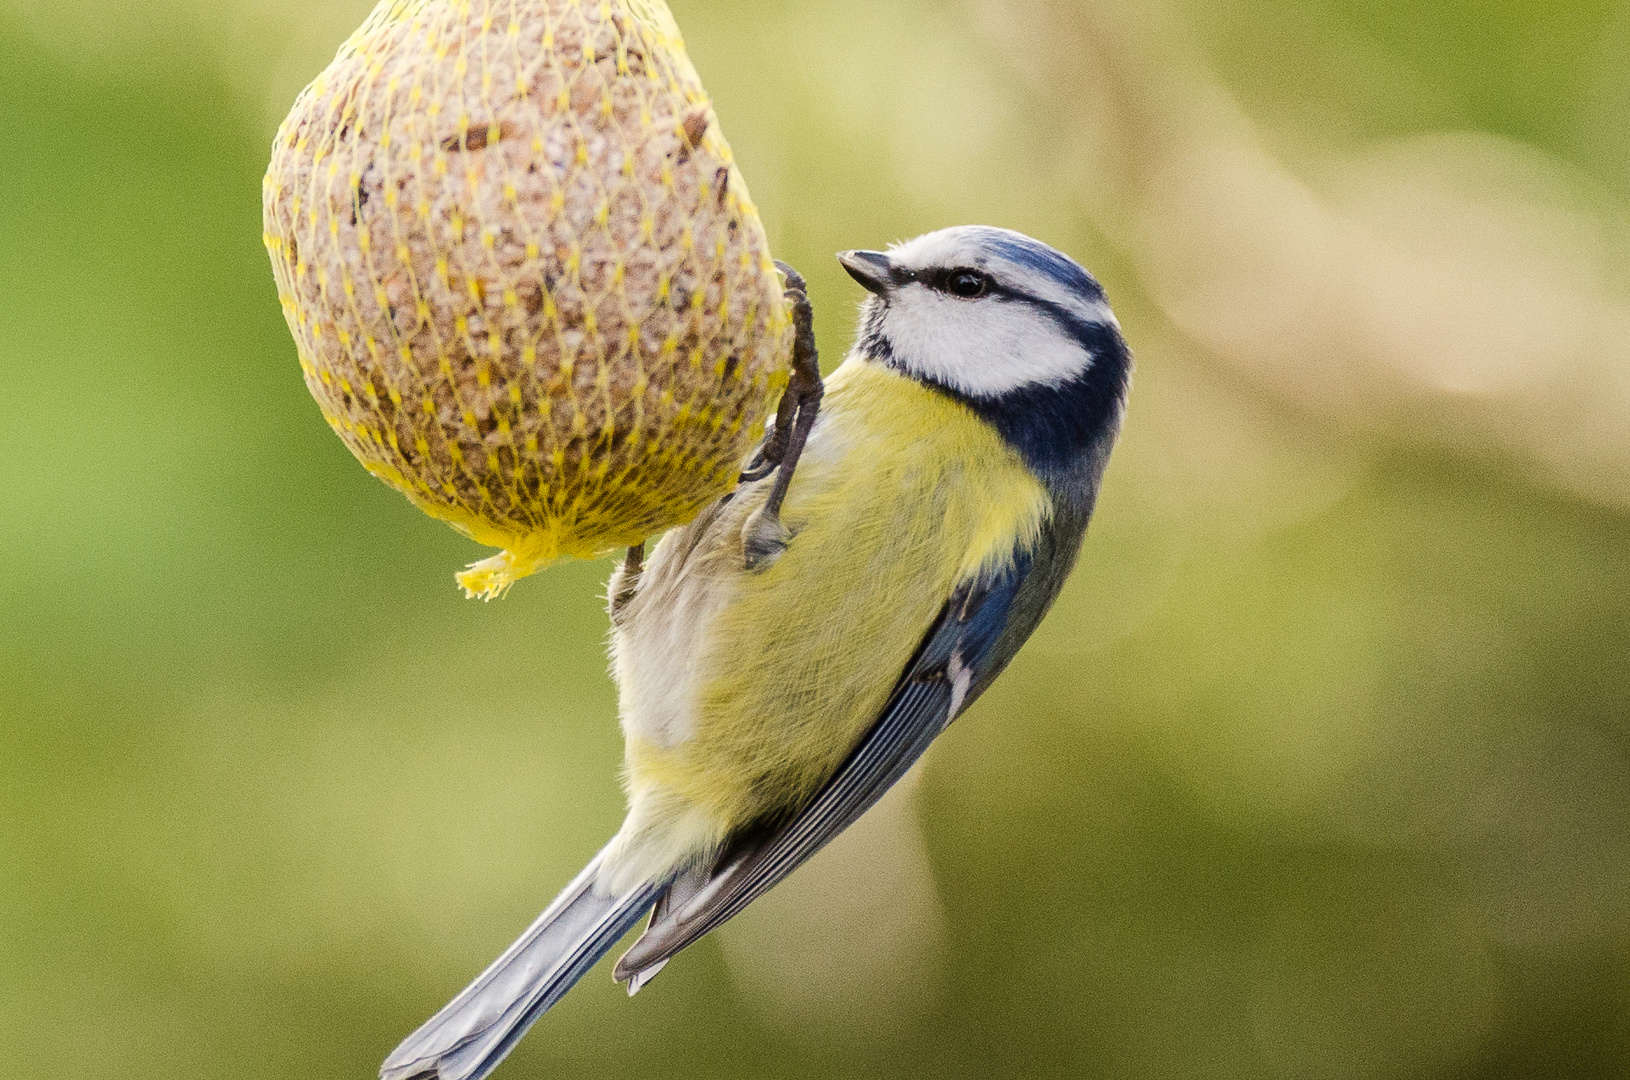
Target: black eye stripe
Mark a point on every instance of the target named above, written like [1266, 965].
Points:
[939, 280]
[963, 282]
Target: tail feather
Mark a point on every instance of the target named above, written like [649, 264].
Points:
[473, 1033]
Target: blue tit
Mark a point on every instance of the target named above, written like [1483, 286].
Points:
[776, 677]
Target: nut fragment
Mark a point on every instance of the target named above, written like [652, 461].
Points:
[527, 284]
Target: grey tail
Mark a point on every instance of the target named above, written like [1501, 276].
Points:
[468, 1038]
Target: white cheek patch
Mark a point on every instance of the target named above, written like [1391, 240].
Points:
[982, 348]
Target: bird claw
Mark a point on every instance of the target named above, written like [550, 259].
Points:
[757, 469]
[625, 582]
[763, 539]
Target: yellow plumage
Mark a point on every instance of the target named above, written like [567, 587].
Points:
[743, 691]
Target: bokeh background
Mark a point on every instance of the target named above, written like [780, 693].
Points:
[1318, 770]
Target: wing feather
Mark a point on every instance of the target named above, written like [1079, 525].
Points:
[958, 654]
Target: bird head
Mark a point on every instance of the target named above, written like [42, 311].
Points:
[1011, 327]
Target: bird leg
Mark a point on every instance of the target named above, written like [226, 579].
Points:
[804, 385]
[764, 536]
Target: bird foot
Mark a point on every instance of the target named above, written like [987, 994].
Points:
[625, 582]
[763, 539]
[764, 536]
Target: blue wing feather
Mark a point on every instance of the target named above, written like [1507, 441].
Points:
[959, 653]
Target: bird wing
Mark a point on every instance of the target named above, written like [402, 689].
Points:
[975, 635]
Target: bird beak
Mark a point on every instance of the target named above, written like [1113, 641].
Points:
[872, 269]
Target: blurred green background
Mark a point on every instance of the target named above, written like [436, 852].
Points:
[1319, 768]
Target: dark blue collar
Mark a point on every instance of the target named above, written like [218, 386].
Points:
[1059, 430]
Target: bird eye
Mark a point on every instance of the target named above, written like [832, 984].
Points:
[968, 284]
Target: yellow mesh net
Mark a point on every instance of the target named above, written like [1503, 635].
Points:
[527, 284]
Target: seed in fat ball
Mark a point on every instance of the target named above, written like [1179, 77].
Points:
[527, 284]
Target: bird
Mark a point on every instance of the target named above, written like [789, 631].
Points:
[778, 671]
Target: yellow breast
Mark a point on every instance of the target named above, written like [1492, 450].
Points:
[742, 692]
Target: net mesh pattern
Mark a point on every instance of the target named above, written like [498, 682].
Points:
[526, 281]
